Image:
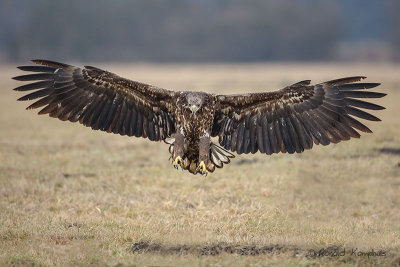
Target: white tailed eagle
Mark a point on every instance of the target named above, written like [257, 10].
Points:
[288, 120]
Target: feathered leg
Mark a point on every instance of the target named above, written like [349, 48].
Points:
[204, 154]
[179, 151]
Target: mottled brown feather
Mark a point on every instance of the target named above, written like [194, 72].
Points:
[294, 118]
[63, 90]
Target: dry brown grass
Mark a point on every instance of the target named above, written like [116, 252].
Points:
[73, 196]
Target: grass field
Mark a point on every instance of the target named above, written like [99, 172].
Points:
[73, 196]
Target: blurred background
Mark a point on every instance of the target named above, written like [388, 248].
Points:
[200, 30]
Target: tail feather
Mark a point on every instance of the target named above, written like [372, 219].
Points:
[219, 156]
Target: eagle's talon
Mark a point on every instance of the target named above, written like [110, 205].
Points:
[178, 162]
[202, 168]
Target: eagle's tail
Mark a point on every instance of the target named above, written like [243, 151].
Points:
[218, 157]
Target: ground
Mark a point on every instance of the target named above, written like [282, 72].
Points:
[73, 196]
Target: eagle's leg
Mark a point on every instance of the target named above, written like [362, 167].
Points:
[179, 151]
[204, 154]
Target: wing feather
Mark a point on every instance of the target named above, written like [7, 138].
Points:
[265, 136]
[361, 104]
[240, 137]
[273, 138]
[294, 118]
[35, 85]
[99, 99]
[35, 77]
[260, 138]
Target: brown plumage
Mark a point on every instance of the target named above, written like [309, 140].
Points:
[289, 120]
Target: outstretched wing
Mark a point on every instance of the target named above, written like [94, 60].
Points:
[292, 119]
[99, 99]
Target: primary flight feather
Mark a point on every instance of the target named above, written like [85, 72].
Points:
[288, 120]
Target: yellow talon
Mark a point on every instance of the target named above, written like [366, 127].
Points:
[202, 168]
[178, 162]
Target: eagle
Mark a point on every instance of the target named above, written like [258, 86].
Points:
[288, 120]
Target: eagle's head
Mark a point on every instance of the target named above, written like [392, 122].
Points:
[194, 101]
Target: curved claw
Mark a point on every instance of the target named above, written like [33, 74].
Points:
[178, 162]
[202, 169]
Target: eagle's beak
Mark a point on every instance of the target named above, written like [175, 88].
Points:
[194, 109]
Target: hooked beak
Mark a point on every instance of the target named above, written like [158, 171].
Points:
[194, 109]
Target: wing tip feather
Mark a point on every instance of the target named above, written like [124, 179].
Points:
[351, 79]
[21, 67]
[50, 63]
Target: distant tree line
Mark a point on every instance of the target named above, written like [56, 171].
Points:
[187, 30]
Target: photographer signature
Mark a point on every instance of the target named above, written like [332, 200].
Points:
[341, 252]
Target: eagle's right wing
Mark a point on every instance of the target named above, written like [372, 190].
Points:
[292, 119]
[99, 99]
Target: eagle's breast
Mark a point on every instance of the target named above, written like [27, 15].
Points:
[195, 125]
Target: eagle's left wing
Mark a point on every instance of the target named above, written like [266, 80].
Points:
[292, 119]
[99, 99]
